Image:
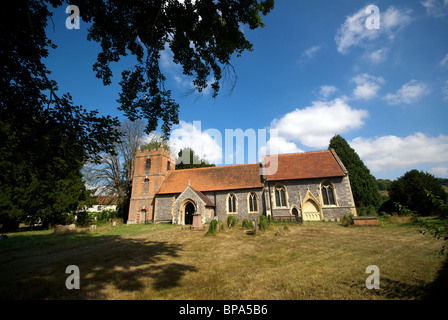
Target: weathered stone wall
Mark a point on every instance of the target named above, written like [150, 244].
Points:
[298, 189]
[168, 206]
[242, 207]
[163, 207]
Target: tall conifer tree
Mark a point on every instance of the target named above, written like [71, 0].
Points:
[363, 183]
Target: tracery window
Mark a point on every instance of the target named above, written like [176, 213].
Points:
[252, 202]
[280, 196]
[327, 190]
[231, 203]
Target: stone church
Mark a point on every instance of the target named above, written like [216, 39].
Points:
[308, 186]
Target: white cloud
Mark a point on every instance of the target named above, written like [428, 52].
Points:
[353, 32]
[391, 152]
[367, 86]
[326, 91]
[278, 145]
[311, 52]
[440, 172]
[378, 56]
[435, 8]
[174, 70]
[393, 20]
[408, 93]
[444, 62]
[314, 126]
[206, 144]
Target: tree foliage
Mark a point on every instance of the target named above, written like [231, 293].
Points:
[438, 230]
[156, 141]
[45, 138]
[203, 35]
[363, 183]
[411, 190]
[188, 159]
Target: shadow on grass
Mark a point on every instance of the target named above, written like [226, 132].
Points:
[438, 289]
[108, 265]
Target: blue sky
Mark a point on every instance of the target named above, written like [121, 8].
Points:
[316, 70]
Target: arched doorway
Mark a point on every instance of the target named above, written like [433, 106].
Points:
[144, 216]
[296, 214]
[189, 210]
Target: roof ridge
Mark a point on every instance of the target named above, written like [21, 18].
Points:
[295, 153]
[216, 167]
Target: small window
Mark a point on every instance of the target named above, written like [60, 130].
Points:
[231, 203]
[168, 166]
[253, 202]
[280, 196]
[146, 185]
[148, 166]
[328, 193]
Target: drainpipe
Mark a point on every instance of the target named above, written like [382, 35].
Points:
[270, 200]
[214, 200]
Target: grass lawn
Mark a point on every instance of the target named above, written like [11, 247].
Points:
[320, 260]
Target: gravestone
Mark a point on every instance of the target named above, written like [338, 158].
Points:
[197, 223]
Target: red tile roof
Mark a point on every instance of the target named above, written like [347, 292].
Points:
[293, 166]
[208, 202]
[304, 165]
[242, 176]
[107, 200]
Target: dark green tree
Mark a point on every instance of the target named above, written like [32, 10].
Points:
[188, 159]
[40, 174]
[36, 120]
[383, 184]
[44, 137]
[363, 183]
[411, 190]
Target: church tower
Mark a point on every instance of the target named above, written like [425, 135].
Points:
[151, 167]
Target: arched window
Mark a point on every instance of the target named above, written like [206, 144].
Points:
[252, 202]
[280, 195]
[231, 203]
[148, 166]
[146, 185]
[168, 166]
[327, 190]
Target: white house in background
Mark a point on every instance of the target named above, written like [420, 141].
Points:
[104, 203]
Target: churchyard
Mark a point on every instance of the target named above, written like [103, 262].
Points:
[314, 260]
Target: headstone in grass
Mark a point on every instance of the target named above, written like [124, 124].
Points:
[63, 229]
